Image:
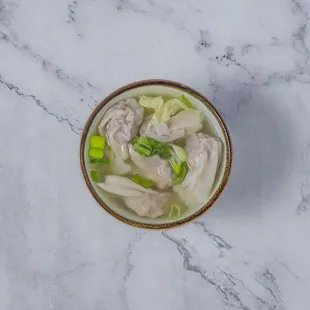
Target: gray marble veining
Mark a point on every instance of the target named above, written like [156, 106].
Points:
[59, 250]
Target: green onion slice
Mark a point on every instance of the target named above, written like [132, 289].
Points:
[186, 101]
[143, 182]
[95, 153]
[145, 142]
[176, 165]
[97, 142]
[142, 150]
[99, 161]
[94, 176]
[180, 178]
[148, 147]
[180, 152]
[175, 212]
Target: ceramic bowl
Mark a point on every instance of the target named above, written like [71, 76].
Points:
[217, 128]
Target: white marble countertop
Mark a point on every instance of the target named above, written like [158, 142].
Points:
[59, 250]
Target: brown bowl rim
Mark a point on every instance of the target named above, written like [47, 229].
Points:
[212, 109]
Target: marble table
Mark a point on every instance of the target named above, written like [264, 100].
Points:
[59, 250]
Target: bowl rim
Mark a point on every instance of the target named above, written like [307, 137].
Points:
[186, 89]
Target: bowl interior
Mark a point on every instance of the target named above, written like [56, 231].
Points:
[213, 128]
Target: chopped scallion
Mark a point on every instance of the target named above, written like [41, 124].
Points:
[97, 142]
[136, 178]
[141, 181]
[175, 212]
[145, 142]
[99, 161]
[94, 175]
[176, 165]
[147, 183]
[95, 153]
[186, 101]
[180, 153]
[162, 150]
[142, 150]
[179, 178]
[148, 147]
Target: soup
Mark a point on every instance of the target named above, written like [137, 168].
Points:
[156, 156]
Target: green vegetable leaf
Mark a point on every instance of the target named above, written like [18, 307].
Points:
[155, 103]
[170, 108]
[151, 102]
[95, 153]
[143, 182]
[97, 142]
[175, 212]
[186, 101]
[162, 110]
[99, 161]
[94, 176]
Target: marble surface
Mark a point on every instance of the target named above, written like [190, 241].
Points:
[59, 250]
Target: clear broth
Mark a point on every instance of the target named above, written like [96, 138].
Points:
[104, 170]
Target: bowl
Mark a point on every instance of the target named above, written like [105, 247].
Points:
[170, 89]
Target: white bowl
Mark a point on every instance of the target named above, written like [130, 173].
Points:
[171, 89]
